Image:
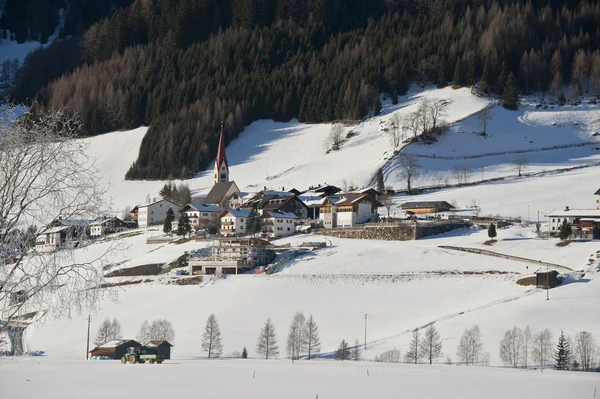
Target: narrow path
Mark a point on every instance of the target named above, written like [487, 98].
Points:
[499, 255]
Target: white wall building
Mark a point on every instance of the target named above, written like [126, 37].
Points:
[348, 210]
[278, 224]
[201, 215]
[233, 222]
[154, 213]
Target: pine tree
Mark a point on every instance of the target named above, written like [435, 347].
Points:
[501, 79]
[296, 337]
[562, 353]
[442, 81]
[311, 337]
[167, 191]
[380, 182]
[168, 223]
[184, 226]
[457, 77]
[356, 352]
[211, 339]
[253, 222]
[244, 353]
[343, 351]
[431, 344]
[266, 344]
[565, 230]
[484, 83]
[471, 71]
[414, 354]
[378, 106]
[492, 231]
[510, 94]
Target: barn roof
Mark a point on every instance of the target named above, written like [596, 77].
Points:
[156, 344]
[425, 204]
[117, 342]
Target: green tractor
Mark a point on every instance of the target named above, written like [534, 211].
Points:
[139, 355]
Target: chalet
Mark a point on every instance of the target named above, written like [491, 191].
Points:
[427, 207]
[105, 226]
[348, 210]
[233, 222]
[233, 256]
[115, 349]
[159, 348]
[154, 213]
[370, 191]
[62, 233]
[584, 222]
[313, 203]
[278, 224]
[326, 190]
[278, 201]
[202, 215]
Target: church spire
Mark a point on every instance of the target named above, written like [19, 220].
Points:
[221, 172]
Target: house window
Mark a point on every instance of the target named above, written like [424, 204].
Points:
[223, 176]
[205, 214]
[242, 220]
[288, 229]
[554, 228]
[553, 220]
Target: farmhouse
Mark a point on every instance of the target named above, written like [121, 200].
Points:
[232, 256]
[104, 226]
[348, 210]
[154, 213]
[278, 224]
[62, 233]
[278, 201]
[202, 215]
[427, 207]
[114, 349]
[233, 222]
[584, 222]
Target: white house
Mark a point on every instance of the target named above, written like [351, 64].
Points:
[278, 224]
[348, 210]
[154, 213]
[62, 234]
[201, 215]
[102, 227]
[233, 222]
[584, 222]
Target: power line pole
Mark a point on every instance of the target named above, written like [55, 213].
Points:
[87, 352]
[366, 317]
[547, 283]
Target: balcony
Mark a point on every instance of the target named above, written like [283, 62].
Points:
[227, 223]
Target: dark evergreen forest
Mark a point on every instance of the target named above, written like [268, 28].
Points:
[183, 66]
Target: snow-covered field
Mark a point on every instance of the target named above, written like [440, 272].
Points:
[44, 378]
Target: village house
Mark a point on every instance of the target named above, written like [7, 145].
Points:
[62, 233]
[105, 226]
[233, 256]
[348, 210]
[278, 201]
[154, 213]
[585, 223]
[278, 224]
[420, 207]
[233, 222]
[202, 215]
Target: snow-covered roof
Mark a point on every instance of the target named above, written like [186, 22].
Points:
[56, 229]
[156, 202]
[280, 193]
[155, 344]
[312, 200]
[206, 208]
[239, 213]
[581, 213]
[114, 343]
[282, 215]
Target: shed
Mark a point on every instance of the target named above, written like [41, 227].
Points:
[546, 279]
[114, 349]
[427, 206]
[160, 348]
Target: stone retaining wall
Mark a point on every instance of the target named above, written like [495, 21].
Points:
[400, 232]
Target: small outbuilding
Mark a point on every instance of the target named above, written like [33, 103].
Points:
[419, 207]
[160, 348]
[546, 279]
[115, 349]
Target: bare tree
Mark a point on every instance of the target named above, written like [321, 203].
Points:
[511, 347]
[143, 336]
[311, 337]
[212, 341]
[484, 116]
[161, 330]
[413, 355]
[45, 177]
[117, 332]
[412, 122]
[389, 356]
[396, 130]
[436, 110]
[104, 333]
[296, 337]
[462, 173]
[356, 352]
[424, 115]
[126, 215]
[585, 350]
[431, 344]
[336, 137]
[266, 344]
[475, 208]
[410, 169]
[526, 347]
[387, 202]
[520, 162]
[470, 346]
[542, 348]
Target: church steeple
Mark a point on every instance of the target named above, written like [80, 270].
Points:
[221, 171]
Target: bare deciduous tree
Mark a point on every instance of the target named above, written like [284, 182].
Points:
[396, 130]
[336, 137]
[356, 352]
[387, 202]
[410, 169]
[436, 109]
[414, 354]
[412, 123]
[143, 336]
[389, 356]
[585, 350]
[126, 215]
[212, 341]
[520, 162]
[161, 330]
[542, 348]
[484, 116]
[296, 343]
[311, 337]
[44, 177]
[266, 344]
[526, 347]
[511, 347]
[431, 344]
[470, 346]
[462, 173]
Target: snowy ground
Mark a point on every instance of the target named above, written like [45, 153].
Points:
[44, 378]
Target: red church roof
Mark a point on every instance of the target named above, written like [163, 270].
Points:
[221, 156]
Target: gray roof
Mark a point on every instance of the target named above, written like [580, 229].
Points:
[597, 192]
[217, 193]
[425, 204]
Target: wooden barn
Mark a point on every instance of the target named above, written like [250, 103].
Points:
[546, 280]
[427, 207]
[115, 349]
[160, 348]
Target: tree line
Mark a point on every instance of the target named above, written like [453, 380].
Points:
[154, 64]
